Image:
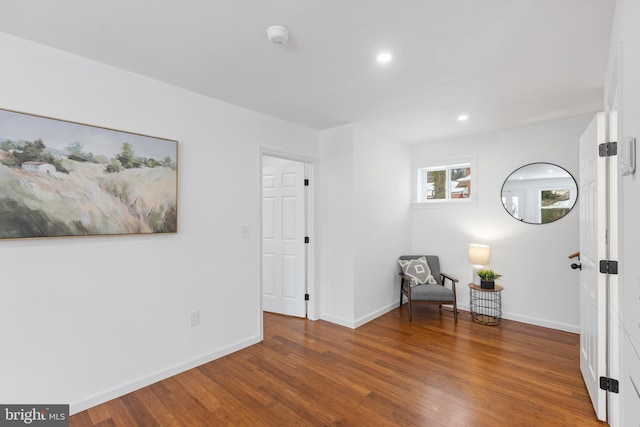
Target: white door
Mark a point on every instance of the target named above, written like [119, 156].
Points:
[593, 298]
[283, 235]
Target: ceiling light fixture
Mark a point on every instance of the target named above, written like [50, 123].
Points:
[277, 34]
[463, 117]
[383, 57]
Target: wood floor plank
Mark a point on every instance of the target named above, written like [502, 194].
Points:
[388, 372]
[99, 414]
[163, 415]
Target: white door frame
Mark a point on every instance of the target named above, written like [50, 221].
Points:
[311, 203]
[613, 92]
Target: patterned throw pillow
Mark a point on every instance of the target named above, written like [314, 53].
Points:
[418, 270]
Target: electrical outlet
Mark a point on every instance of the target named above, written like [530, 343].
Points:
[194, 318]
[245, 232]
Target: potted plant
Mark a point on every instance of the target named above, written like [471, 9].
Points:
[488, 278]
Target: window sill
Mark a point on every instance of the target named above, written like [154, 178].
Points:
[443, 203]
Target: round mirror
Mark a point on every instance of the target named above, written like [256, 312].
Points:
[539, 193]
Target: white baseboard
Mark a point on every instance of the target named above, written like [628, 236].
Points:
[338, 321]
[129, 386]
[353, 324]
[534, 321]
[465, 307]
[371, 316]
[544, 323]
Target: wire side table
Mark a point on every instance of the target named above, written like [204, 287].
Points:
[485, 305]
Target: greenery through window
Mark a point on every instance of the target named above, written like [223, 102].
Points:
[451, 182]
[554, 204]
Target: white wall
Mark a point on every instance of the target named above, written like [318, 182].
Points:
[382, 221]
[627, 32]
[365, 222]
[336, 218]
[540, 288]
[86, 319]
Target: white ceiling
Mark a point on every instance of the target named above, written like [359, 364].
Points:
[504, 62]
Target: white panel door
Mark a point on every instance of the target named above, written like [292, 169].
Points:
[283, 233]
[593, 300]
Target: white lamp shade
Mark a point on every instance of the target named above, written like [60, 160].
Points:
[479, 254]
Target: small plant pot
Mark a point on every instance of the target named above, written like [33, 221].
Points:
[487, 284]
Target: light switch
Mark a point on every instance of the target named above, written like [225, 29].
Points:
[194, 318]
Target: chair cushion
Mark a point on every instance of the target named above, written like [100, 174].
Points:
[431, 293]
[418, 270]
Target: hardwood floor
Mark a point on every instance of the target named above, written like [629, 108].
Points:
[430, 372]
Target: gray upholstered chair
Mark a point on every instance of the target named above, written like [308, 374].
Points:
[428, 293]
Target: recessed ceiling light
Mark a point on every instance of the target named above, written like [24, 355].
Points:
[384, 57]
[462, 117]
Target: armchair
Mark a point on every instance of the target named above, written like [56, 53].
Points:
[421, 287]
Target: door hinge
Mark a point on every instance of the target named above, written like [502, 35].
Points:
[608, 267]
[306, 239]
[306, 297]
[306, 182]
[607, 149]
[609, 384]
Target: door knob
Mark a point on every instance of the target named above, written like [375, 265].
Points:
[576, 266]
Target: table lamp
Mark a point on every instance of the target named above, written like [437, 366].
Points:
[479, 257]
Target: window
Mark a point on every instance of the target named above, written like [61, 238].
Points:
[444, 183]
[554, 204]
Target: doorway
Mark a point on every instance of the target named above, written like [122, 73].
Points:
[285, 236]
[513, 201]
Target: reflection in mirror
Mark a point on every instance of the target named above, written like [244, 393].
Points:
[539, 193]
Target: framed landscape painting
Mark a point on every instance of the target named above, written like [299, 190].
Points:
[59, 178]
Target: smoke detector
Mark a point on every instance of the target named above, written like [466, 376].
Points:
[277, 34]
